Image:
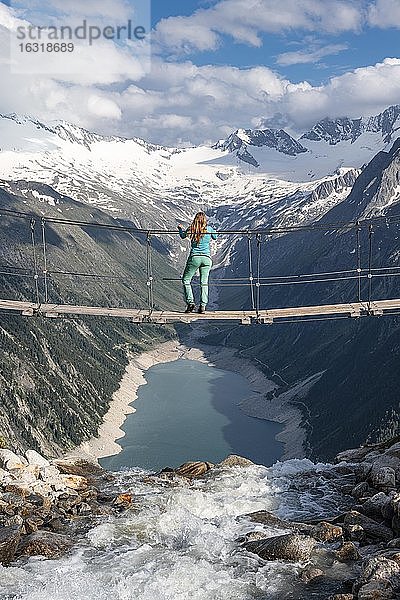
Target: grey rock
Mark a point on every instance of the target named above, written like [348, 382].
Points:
[393, 450]
[34, 458]
[342, 597]
[290, 547]
[371, 527]
[353, 455]
[381, 570]
[372, 456]
[375, 591]
[346, 488]
[395, 503]
[383, 477]
[360, 490]
[377, 505]
[9, 539]
[7, 456]
[78, 466]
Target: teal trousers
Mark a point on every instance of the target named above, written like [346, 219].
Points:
[203, 264]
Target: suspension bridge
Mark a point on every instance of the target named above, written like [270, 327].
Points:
[41, 277]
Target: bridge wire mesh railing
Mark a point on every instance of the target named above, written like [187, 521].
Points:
[253, 280]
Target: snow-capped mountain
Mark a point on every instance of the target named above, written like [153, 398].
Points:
[328, 146]
[277, 139]
[150, 185]
[387, 124]
[156, 186]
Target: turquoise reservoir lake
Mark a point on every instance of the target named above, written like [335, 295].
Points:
[189, 411]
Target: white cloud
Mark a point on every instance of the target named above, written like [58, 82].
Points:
[313, 56]
[117, 9]
[103, 63]
[362, 92]
[246, 20]
[181, 103]
[384, 13]
[104, 107]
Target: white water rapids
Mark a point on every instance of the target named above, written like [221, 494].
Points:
[180, 541]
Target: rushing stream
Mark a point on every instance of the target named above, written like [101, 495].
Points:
[189, 411]
[180, 541]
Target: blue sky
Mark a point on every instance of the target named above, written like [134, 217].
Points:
[217, 65]
[368, 46]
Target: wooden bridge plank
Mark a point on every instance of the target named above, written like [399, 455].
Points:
[140, 315]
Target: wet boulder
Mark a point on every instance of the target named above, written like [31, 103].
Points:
[383, 477]
[377, 505]
[325, 532]
[353, 455]
[360, 490]
[44, 543]
[347, 552]
[311, 574]
[371, 528]
[267, 518]
[123, 501]
[291, 547]
[380, 573]
[252, 536]
[193, 469]
[355, 533]
[375, 591]
[9, 540]
[233, 460]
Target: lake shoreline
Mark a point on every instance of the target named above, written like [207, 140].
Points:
[256, 405]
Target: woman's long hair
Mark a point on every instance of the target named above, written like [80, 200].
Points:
[198, 228]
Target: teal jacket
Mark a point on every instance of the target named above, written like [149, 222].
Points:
[203, 247]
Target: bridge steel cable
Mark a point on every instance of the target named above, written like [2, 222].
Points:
[149, 270]
[44, 244]
[35, 262]
[370, 236]
[358, 252]
[328, 226]
[258, 285]
[251, 278]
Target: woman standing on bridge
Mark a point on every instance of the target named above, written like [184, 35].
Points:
[200, 235]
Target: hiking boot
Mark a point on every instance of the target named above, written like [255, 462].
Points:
[190, 308]
[202, 309]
